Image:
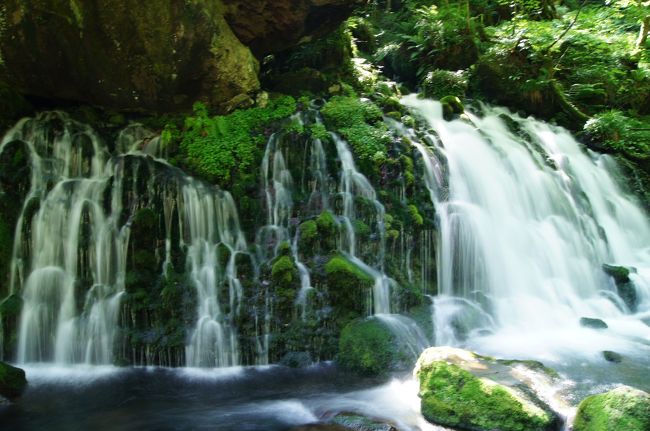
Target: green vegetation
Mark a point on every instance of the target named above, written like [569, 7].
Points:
[366, 347]
[227, 146]
[360, 123]
[348, 287]
[623, 408]
[12, 381]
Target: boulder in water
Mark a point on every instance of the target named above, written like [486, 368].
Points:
[589, 322]
[624, 408]
[361, 423]
[612, 356]
[366, 348]
[461, 389]
[624, 285]
[12, 381]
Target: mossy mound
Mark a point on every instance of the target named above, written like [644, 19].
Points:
[624, 408]
[348, 287]
[366, 348]
[458, 389]
[12, 381]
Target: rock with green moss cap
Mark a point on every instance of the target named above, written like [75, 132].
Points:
[624, 408]
[12, 381]
[366, 348]
[466, 391]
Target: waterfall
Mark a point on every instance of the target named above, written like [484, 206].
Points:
[76, 244]
[353, 185]
[526, 222]
[210, 220]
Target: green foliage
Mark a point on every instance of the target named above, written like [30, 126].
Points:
[359, 122]
[366, 348]
[318, 131]
[623, 408]
[454, 397]
[224, 146]
[613, 131]
[440, 83]
[415, 216]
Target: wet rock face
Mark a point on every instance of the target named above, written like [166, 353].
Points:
[159, 55]
[272, 26]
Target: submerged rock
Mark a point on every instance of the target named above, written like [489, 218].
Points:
[12, 381]
[589, 322]
[612, 356]
[461, 389]
[361, 423]
[624, 408]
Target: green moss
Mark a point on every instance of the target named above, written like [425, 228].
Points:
[283, 271]
[454, 397]
[308, 235]
[348, 288]
[366, 348]
[327, 224]
[12, 381]
[221, 147]
[415, 216]
[620, 274]
[359, 122]
[624, 408]
[318, 131]
[339, 266]
[451, 105]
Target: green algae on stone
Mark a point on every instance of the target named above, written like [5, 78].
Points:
[624, 408]
[366, 348]
[457, 391]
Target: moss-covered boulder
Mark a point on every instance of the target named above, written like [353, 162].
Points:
[624, 408]
[349, 288]
[366, 347]
[12, 381]
[466, 391]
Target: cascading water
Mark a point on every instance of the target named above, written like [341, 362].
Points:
[74, 276]
[528, 222]
[211, 223]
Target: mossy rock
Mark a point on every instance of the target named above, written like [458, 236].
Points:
[624, 408]
[451, 106]
[462, 390]
[348, 288]
[620, 274]
[12, 381]
[366, 348]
